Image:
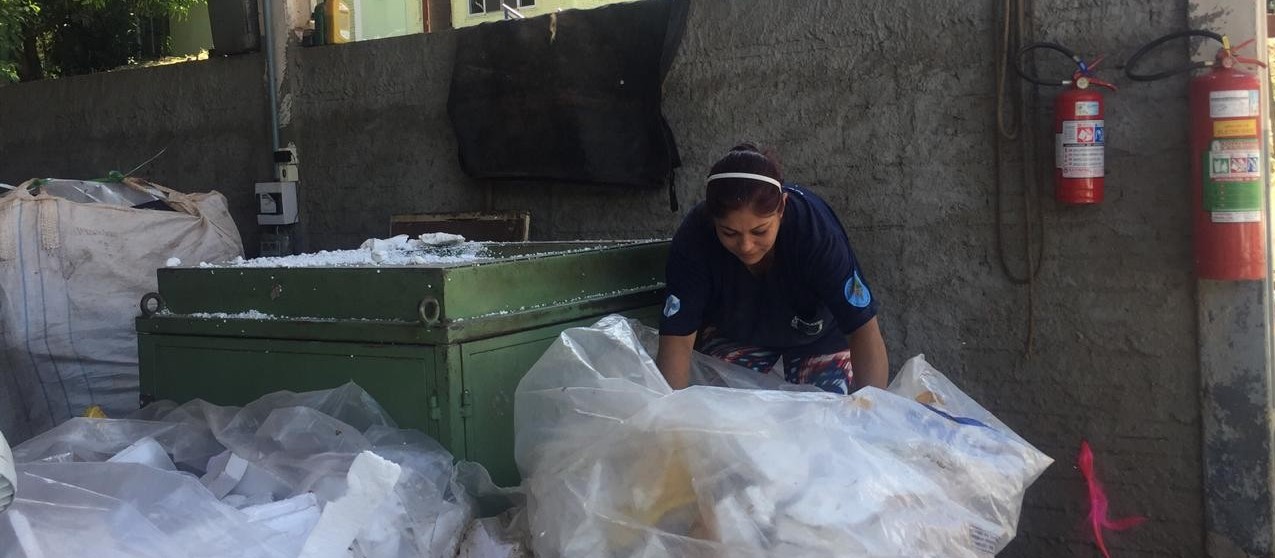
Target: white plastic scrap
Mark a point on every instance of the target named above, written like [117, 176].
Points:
[173, 262]
[290, 520]
[432, 248]
[369, 483]
[145, 452]
[270, 470]
[441, 239]
[230, 474]
[399, 242]
[246, 315]
[618, 464]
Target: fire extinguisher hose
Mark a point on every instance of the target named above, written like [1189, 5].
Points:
[1018, 66]
[1146, 49]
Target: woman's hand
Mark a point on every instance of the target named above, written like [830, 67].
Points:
[867, 355]
[674, 359]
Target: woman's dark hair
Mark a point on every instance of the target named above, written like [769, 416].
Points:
[725, 195]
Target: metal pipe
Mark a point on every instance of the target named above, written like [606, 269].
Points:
[510, 12]
[269, 51]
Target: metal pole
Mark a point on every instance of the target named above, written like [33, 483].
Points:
[510, 12]
[269, 52]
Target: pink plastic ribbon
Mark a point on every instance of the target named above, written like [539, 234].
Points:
[1098, 503]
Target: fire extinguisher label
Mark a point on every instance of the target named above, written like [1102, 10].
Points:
[1233, 181]
[1241, 103]
[1087, 108]
[1079, 149]
[1234, 128]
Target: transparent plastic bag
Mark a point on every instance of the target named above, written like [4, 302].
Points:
[121, 510]
[427, 514]
[494, 537]
[263, 459]
[112, 193]
[85, 439]
[616, 464]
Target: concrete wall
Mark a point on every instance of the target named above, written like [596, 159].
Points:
[884, 108]
[887, 111]
[210, 115]
[370, 123]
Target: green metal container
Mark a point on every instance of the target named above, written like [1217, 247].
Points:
[441, 347]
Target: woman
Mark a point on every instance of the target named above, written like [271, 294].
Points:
[761, 273]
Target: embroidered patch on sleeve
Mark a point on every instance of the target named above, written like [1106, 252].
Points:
[672, 305]
[857, 292]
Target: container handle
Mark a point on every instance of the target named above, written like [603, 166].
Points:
[146, 306]
[430, 310]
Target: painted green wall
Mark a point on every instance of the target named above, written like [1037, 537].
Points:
[388, 18]
[377, 19]
[461, 17]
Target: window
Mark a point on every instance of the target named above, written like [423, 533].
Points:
[479, 7]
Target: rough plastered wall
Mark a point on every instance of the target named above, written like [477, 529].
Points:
[210, 115]
[897, 132]
[370, 123]
[884, 108]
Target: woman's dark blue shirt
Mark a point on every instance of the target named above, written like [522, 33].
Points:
[810, 298]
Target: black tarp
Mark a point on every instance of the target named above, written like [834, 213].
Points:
[572, 96]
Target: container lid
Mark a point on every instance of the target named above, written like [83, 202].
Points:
[511, 278]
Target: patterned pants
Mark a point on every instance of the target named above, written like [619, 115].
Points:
[828, 372]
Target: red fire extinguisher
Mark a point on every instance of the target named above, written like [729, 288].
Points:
[1226, 160]
[1079, 129]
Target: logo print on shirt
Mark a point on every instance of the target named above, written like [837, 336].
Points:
[856, 292]
[807, 328]
[672, 305]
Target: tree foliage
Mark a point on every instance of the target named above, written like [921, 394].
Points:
[39, 38]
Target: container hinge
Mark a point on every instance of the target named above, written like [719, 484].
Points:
[466, 403]
[435, 412]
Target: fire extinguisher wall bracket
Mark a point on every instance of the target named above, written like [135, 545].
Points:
[1079, 128]
[1226, 160]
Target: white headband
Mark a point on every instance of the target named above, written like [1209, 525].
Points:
[746, 175]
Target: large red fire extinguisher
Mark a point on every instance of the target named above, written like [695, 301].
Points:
[1226, 160]
[1079, 129]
